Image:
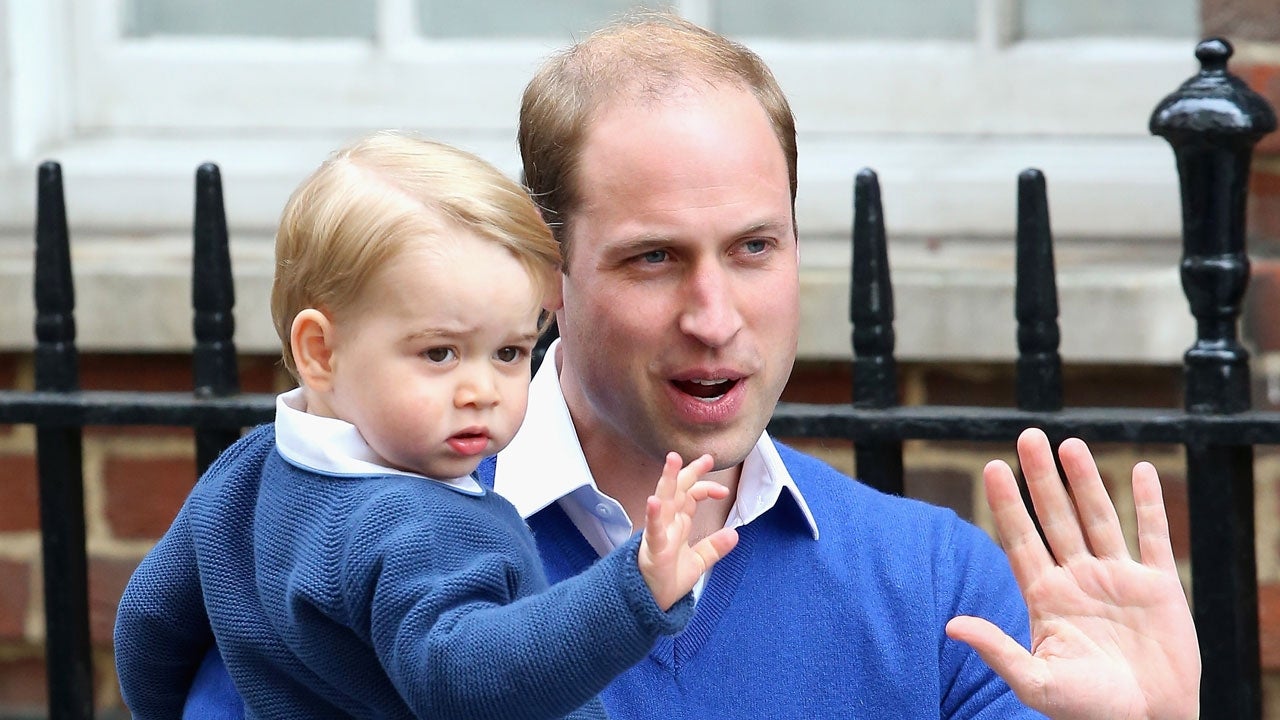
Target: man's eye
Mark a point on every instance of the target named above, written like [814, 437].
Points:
[439, 354]
[653, 257]
[509, 354]
[755, 247]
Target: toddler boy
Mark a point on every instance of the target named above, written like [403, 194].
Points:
[343, 557]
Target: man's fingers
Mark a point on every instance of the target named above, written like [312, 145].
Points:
[1027, 554]
[1003, 654]
[1094, 509]
[1153, 522]
[1053, 505]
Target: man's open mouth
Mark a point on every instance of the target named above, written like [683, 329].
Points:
[708, 390]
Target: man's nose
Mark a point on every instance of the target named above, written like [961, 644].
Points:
[710, 312]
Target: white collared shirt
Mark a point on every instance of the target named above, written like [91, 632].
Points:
[544, 464]
[334, 447]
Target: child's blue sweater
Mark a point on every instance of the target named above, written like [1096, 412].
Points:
[385, 596]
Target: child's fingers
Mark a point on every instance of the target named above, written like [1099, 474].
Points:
[669, 479]
[655, 527]
[692, 472]
[708, 490]
[716, 546]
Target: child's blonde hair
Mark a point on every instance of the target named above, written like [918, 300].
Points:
[364, 204]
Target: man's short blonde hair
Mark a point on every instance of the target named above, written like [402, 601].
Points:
[372, 198]
[642, 57]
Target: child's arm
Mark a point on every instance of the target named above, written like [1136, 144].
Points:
[161, 632]
[671, 566]
[457, 642]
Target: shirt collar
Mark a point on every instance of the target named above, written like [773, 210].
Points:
[331, 446]
[544, 462]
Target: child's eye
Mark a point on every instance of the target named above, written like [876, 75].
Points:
[439, 354]
[509, 354]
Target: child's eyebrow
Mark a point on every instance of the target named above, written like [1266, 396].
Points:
[428, 334]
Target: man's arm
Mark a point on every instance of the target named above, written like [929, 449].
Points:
[1110, 636]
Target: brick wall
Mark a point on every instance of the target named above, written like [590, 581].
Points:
[136, 478]
[1253, 27]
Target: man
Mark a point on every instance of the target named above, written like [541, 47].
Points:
[664, 159]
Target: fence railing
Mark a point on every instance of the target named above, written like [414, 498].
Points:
[1212, 122]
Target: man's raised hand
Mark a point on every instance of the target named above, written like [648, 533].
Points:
[1111, 637]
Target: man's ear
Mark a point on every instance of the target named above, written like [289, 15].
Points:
[555, 294]
[311, 339]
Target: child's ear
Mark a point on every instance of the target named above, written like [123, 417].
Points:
[311, 340]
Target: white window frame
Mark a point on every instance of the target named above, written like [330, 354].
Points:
[941, 121]
[947, 125]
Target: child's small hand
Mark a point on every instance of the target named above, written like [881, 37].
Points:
[669, 564]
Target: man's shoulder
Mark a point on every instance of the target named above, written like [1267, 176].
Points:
[844, 505]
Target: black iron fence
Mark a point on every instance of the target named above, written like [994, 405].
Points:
[1212, 122]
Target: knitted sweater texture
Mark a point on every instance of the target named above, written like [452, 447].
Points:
[383, 596]
[849, 625]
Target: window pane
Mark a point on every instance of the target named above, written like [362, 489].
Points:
[1143, 18]
[272, 18]
[839, 19]
[559, 19]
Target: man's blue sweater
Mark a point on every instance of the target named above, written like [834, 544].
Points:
[383, 596]
[850, 625]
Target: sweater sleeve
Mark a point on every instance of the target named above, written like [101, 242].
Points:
[162, 632]
[451, 632]
[976, 580]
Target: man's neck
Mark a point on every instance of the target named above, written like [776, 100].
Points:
[630, 479]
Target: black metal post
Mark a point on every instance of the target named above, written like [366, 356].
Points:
[1212, 122]
[59, 463]
[1039, 376]
[875, 371]
[212, 297]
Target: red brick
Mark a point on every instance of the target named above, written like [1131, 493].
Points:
[9, 371]
[144, 494]
[1264, 79]
[161, 372]
[8, 381]
[15, 596]
[19, 494]
[107, 578]
[1261, 323]
[948, 488]
[23, 686]
[167, 372]
[1269, 625]
[819, 382]
[1174, 489]
[995, 385]
[1263, 213]
[262, 373]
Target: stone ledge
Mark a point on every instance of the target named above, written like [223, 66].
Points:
[1120, 302]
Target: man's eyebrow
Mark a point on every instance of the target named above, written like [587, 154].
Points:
[772, 226]
[647, 241]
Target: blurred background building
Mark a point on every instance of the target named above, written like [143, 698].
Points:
[947, 100]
